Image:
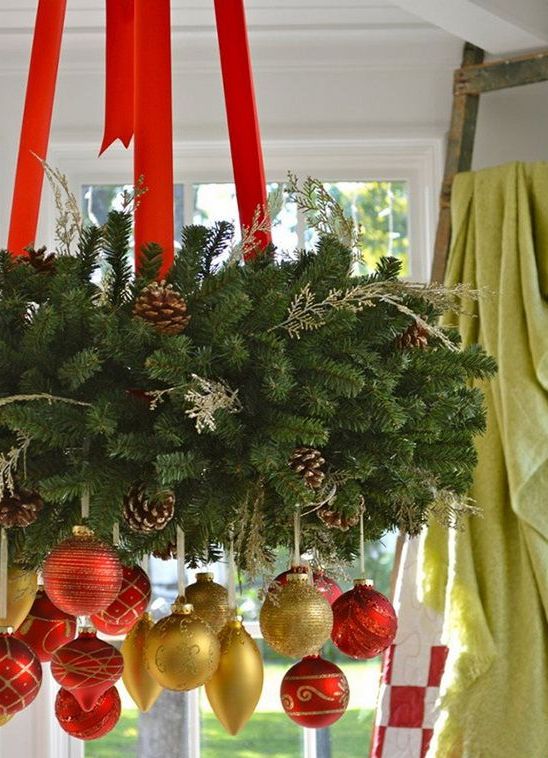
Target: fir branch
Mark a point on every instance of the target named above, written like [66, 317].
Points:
[9, 463]
[207, 398]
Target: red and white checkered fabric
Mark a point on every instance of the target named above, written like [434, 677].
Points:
[412, 671]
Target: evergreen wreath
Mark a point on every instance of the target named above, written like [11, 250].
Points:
[219, 386]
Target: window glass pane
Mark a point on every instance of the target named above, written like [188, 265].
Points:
[99, 199]
[381, 208]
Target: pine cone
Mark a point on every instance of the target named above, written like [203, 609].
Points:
[414, 336]
[161, 306]
[145, 515]
[20, 508]
[336, 520]
[166, 553]
[39, 260]
[308, 462]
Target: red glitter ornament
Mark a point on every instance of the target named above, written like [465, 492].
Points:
[323, 583]
[20, 675]
[82, 575]
[46, 627]
[365, 622]
[314, 692]
[129, 606]
[87, 667]
[88, 725]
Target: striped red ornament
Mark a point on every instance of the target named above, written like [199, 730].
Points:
[20, 675]
[314, 692]
[82, 575]
[130, 604]
[46, 627]
[88, 725]
[87, 667]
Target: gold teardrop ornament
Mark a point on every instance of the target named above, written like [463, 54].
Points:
[210, 600]
[181, 651]
[22, 587]
[143, 689]
[235, 688]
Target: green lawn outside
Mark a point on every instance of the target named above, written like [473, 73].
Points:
[266, 735]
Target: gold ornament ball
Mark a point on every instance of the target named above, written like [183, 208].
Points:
[143, 689]
[22, 588]
[210, 600]
[182, 652]
[296, 620]
[235, 688]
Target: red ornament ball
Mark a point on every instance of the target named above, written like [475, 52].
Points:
[46, 627]
[82, 575]
[88, 725]
[129, 606]
[314, 693]
[323, 583]
[87, 668]
[365, 622]
[20, 675]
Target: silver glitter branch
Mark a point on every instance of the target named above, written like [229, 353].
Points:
[208, 397]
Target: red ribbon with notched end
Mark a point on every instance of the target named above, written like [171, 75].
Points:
[119, 73]
[29, 174]
[153, 124]
[241, 111]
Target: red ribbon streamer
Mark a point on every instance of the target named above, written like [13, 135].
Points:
[153, 121]
[35, 130]
[241, 111]
[119, 73]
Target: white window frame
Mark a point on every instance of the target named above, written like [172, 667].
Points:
[415, 160]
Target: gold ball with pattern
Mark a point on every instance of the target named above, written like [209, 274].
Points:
[182, 651]
[210, 600]
[296, 620]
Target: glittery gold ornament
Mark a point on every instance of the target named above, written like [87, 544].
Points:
[22, 587]
[143, 689]
[235, 688]
[210, 600]
[296, 620]
[181, 651]
[4, 720]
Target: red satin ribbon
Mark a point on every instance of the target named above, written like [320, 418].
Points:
[35, 130]
[119, 73]
[153, 121]
[241, 111]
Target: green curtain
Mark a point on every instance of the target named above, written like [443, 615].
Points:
[491, 578]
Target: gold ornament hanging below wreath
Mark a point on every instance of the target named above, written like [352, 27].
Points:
[144, 690]
[22, 588]
[296, 620]
[182, 652]
[210, 600]
[235, 688]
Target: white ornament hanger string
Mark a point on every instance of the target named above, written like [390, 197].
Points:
[297, 536]
[362, 548]
[3, 574]
[181, 561]
[116, 534]
[231, 583]
[84, 504]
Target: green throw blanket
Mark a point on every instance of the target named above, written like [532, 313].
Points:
[491, 579]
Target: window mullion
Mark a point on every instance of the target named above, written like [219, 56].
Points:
[309, 743]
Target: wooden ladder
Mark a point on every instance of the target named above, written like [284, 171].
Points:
[470, 80]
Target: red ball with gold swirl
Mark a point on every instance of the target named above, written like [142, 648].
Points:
[82, 575]
[46, 628]
[20, 674]
[364, 621]
[129, 605]
[88, 725]
[314, 692]
[87, 668]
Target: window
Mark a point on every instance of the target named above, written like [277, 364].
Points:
[380, 208]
